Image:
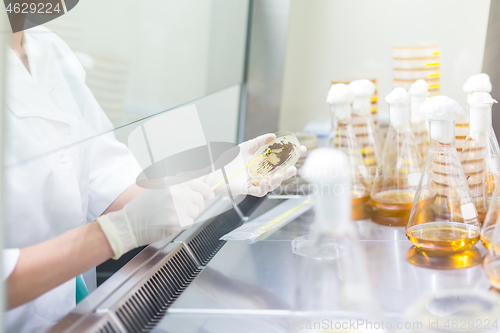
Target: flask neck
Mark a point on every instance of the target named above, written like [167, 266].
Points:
[469, 97]
[341, 112]
[399, 115]
[480, 119]
[442, 132]
[416, 102]
[362, 106]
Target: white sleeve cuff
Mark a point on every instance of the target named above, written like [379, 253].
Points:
[10, 258]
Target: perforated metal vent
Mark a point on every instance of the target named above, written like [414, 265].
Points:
[135, 299]
[143, 308]
[109, 327]
[206, 243]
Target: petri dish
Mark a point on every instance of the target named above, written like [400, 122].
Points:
[297, 184]
[275, 157]
[332, 247]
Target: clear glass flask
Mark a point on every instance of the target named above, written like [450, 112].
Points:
[491, 220]
[333, 281]
[362, 123]
[491, 262]
[419, 92]
[490, 237]
[475, 83]
[443, 216]
[399, 168]
[480, 155]
[342, 137]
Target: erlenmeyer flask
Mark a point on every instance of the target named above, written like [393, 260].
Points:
[491, 263]
[419, 92]
[443, 216]
[491, 220]
[480, 156]
[363, 126]
[333, 280]
[399, 167]
[342, 137]
[475, 83]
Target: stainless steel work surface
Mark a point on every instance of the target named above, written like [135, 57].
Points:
[250, 287]
[225, 323]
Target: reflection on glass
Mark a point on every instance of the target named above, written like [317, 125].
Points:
[140, 62]
[391, 219]
[443, 260]
[491, 266]
[362, 212]
[333, 274]
[236, 294]
[132, 64]
[455, 311]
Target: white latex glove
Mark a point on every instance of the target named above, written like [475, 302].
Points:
[241, 183]
[154, 214]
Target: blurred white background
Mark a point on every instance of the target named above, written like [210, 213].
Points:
[338, 39]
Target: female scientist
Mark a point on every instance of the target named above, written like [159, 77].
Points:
[76, 208]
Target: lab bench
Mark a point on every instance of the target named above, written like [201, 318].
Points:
[194, 282]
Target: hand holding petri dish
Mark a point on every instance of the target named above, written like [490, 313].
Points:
[274, 157]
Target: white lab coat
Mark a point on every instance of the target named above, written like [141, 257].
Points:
[50, 192]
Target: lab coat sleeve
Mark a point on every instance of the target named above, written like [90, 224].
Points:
[10, 258]
[112, 170]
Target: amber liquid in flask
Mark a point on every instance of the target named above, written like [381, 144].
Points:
[394, 200]
[443, 236]
[443, 216]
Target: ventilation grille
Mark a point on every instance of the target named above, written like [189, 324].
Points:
[143, 309]
[206, 244]
[108, 328]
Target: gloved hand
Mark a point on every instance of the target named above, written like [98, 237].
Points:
[241, 183]
[156, 213]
